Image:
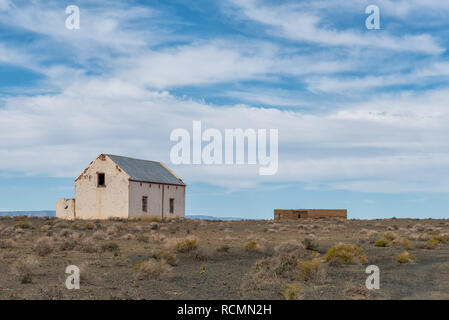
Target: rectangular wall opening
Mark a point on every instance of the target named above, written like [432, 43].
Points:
[145, 204]
[172, 205]
[101, 180]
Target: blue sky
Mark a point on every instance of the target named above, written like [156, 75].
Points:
[362, 115]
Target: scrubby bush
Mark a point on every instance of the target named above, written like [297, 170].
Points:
[293, 291]
[154, 269]
[89, 226]
[185, 245]
[439, 238]
[8, 244]
[431, 244]
[347, 253]
[223, 248]
[110, 246]
[67, 244]
[88, 245]
[87, 275]
[310, 244]
[405, 257]
[143, 238]
[65, 233]
[311, 270]
[168, 256]
[291, 248]
[401, 242]
[44, 246]
[381, 243]
[389, 236]
[22, 224]
[112, 230]
[252, 245]
[203, 253]
[99, 235]
[23, 269]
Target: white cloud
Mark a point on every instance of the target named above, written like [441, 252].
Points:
[418, 76]
[398, 140]
[394, 142]
[292, 21]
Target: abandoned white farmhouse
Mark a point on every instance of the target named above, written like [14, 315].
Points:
[115, 186]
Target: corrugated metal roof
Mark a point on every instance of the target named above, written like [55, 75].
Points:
[147, 171]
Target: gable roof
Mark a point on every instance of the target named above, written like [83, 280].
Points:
[146, 171]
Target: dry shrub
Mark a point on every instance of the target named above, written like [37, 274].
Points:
[356, 291]
[271, 273]
[111, 247]
[440, 238]
[184, 245]
[254, 245]
[203, 253]
[401, 242]
[23, 269]
[433, 241]
[87, 275]
[152, 269]
[405, 257]
[45, 228]
[159, 238]
[347, 253]
[44, 246]
[112, 230]
[99, 235]
[22, 224]
[424, 237]
[8, 244]
[128, 236]
[65, 233]
[390, 236]
[7, 231]
[168, 256]
[51, 293]
[335, 263]
[67, 244]
[89, 226]
[310, 244]
[88, 245]
[223, 248]
[291, 248]
[293, 291]
[382, 243]
[312, 270]
[143, 238]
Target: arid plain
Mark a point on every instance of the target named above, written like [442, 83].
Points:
[198, 259]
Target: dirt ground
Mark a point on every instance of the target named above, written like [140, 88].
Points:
[194, 259]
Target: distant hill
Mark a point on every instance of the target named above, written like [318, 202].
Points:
[43, 213]
[52, 213]
[212, 218]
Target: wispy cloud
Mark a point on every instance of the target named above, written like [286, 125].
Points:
[112, 90]
[293, 22]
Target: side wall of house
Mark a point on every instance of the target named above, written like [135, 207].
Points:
[154, 193]
[178, 194]
[94, 202]
[138, 190]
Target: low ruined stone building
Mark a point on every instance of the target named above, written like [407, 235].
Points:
[116, 186]
[295, 214]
